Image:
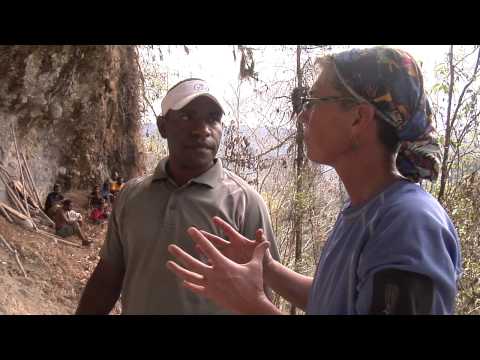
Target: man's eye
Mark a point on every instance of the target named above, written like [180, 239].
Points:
[215, 117]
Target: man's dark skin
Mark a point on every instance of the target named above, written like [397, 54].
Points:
[53, 197]
[193, 134]
[60, 220]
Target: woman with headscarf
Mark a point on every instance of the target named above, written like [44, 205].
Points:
[393, 249]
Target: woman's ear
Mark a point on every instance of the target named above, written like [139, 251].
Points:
[365, 115]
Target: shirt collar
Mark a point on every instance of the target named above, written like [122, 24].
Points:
[211, 177]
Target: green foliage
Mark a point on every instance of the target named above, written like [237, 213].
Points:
[463, 206]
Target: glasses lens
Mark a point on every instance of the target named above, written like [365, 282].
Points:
[306, 104]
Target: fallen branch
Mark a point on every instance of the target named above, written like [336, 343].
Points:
[20, 264]
[45, 216]
[15, 253]
[57, 238]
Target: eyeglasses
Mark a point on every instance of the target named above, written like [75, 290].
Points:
[307, 102]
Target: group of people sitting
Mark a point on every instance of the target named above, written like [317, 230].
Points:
[101, 199]
[69, 222]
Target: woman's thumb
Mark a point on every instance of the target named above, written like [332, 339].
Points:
[259, 251]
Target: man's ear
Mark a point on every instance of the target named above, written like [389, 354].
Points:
[161, 126]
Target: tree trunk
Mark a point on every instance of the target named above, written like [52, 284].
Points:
[448, 129]
[299, 167]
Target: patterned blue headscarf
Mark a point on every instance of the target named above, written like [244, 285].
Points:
[391, 81]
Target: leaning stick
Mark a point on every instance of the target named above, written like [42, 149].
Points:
[15, 199]
[14, 212]
[28, 191]
[19, 214]
[32, 183]
[20, 168]
[2, 210]
[12, 194]
[32, 189]
[7, 244]
[35, 191]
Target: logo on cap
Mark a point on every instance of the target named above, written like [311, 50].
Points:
[200, 87]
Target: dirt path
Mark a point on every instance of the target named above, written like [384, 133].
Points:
[57, 273]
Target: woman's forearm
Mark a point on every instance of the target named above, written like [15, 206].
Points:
[290, 285]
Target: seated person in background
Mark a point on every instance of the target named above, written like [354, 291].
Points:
[100, 212]
[95, 197]
[106, 194]
[65, 226]
[74, 216]
[53, 198]
[117, 186]
[113, 179]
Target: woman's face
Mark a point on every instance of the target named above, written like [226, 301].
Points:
[327, 126]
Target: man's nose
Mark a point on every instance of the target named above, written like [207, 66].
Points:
[201, 128]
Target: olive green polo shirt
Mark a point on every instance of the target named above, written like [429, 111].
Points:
[152, 212]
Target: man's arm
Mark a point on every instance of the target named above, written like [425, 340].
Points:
[102, 290]
[63, 216]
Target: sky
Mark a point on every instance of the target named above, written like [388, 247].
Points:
[216, 64]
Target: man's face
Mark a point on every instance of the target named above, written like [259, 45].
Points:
[56, 188]
[193, 133]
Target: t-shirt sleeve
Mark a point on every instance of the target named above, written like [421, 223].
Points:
[258, 217]
[415, 239]
[112, 249]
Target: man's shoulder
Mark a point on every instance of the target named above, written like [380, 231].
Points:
[234, 183]
[136, 185]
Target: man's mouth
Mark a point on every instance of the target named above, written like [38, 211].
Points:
[199, 147]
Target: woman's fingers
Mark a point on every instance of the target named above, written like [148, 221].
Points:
[259, 236]
[215, 240]
[230, 232]
[200, 252]
[206, 246]
[185, 274]
[187, 260]
[259, 252]
[197, 289]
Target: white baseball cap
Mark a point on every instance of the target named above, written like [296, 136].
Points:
[181, 95]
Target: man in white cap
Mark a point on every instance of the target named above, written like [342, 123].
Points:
[189, 187]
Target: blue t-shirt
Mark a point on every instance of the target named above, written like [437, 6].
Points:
[402, 228]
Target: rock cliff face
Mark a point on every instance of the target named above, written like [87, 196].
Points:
[75, 110]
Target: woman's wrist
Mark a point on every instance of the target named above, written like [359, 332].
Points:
[264, 307]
